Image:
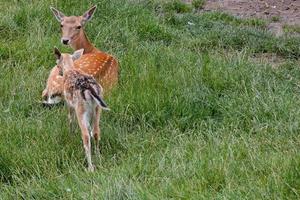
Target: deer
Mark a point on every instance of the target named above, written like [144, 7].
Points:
[102, 66]
[84, 97]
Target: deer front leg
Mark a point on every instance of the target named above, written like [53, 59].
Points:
[83, 124]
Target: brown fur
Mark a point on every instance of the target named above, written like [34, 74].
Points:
[54, 86]
[102, 66]
[84, 98]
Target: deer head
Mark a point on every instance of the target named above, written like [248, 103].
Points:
[65, 61]
[72, 26]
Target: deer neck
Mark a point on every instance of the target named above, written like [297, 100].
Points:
[82, 42]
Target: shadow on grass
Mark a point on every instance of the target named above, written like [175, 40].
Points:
[5, 170]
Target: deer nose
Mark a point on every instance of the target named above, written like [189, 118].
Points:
[65, 41]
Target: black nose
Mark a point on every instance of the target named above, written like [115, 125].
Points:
[65, 42]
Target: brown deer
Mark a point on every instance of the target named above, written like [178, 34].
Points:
[84, 96]
[102, 66]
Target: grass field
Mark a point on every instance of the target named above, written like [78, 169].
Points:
[194, 115]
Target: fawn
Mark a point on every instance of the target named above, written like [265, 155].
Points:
[84, 97]
[102, 66]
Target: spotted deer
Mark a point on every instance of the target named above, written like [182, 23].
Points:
[84, 97]
[102, 66]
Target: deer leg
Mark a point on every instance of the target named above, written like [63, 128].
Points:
[71, 116]
[83, 124]
[96, 128]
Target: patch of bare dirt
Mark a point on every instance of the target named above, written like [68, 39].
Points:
[283, 11]
[270, 58]
[277, 12]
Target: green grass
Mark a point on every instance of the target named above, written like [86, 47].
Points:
[291, 29]
[275, 18]
[192, 118]
[198, 4]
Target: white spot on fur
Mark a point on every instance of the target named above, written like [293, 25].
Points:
[54, 100]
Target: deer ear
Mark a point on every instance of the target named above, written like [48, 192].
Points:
[58, 15]
[77, 54]
[88, 14]
[57, 53]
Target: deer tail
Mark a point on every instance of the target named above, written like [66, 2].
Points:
[98, 99]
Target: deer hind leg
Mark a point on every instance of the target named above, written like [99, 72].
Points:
[83, 121]
[96, 128]
[71, 116]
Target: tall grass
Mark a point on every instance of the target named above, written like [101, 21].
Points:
[192, 118]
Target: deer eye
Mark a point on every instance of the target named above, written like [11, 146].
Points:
[61, 25]
[78, 27]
